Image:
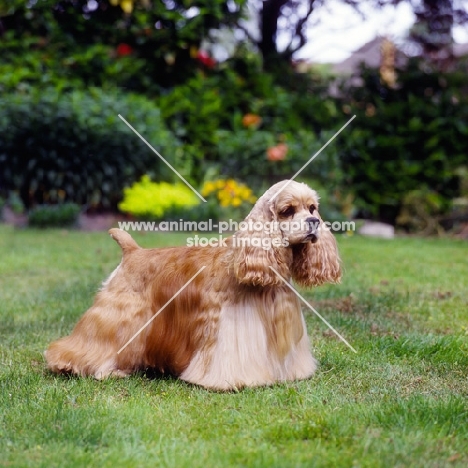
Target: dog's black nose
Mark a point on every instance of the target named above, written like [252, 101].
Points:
[313, 223]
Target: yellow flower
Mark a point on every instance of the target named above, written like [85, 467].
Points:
[223, 195]
[231, 184]
[193, 52]
[224, 202]
[244, 192]
[208, 187]
[127, 6]
[229, 192]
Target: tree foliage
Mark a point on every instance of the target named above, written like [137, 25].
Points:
[410, 136]
[161, 37]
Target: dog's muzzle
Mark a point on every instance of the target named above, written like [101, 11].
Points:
[313, 233]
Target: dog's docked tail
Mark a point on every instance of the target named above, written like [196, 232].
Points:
[124, 239]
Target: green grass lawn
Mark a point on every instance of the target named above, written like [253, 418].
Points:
[401, 401]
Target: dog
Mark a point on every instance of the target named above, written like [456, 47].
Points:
[234, 324]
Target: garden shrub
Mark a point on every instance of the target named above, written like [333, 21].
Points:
[140, 45]
[151, 200]
[225, 199]
[262, 158]
[222, 99]
[72, 147]
[243, 154]
[27, 65]
[413, 136]
[14, 203]
[420, 212]
[61, 215]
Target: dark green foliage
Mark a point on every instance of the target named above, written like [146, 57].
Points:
[414, 136]
[421, 211]
[243, 154]
[62, 215]
[73, 147]
[207, 111]
[208, 102]
[23, 68]
[66, 42]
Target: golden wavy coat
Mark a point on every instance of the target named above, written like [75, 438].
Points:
[236, 324]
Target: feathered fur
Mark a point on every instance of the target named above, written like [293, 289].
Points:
[236, 324]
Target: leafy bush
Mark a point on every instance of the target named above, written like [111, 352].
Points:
[139, 45]
[62, 215]
[226, 199]
[28, 64]
[220, 100]
[13, 201]
[413, 136]
[262, 158]
[73, 146]
[151, 200]
[420, 212]
[243, 154]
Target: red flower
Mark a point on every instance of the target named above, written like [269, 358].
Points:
[278, 152]
[123, 50]
[205, 59]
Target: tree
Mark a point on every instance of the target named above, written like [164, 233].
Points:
[433, 30]
[161, 37]
[295, 16]
[278, 16]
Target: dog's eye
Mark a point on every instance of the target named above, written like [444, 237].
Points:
[288, 212]
[312, 208]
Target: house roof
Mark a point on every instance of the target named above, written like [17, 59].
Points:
[460, 50]
[369, 54]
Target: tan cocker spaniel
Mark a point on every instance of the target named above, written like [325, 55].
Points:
[236, 324]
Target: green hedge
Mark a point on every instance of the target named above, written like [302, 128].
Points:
[46, 216]
[74, 147]
[410, 137]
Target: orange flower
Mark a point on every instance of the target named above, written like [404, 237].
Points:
[278, 152]
[251, 120]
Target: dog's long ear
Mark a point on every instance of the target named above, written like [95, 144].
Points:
[319, 263]
[259, 245]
